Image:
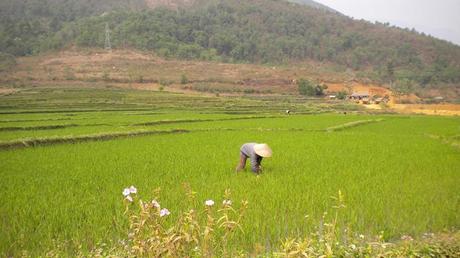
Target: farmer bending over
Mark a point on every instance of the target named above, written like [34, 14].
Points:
[255, 152]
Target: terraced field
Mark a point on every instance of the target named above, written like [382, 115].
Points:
[399, 174]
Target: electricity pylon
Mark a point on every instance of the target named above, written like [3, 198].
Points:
[108, 45]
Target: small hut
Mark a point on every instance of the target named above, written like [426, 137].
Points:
[359, 96]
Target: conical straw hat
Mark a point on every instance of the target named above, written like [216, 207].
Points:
[263, 150]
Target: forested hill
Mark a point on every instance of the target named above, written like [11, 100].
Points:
[27, 25]
[256, 31]
[314, 4]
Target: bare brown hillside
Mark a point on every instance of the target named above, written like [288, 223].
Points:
[129, 67]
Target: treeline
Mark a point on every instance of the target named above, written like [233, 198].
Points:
[256, 31]
[26, 25]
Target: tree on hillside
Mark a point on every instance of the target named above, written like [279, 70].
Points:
[305, 87]
[319, 89]
[308, 88]
[403, 87]
[390, 72]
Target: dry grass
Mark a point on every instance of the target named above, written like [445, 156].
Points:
[126, 66]
[352, 124]
[29, 128]
[32, 142]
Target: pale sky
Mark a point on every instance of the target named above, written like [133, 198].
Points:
[439, 18]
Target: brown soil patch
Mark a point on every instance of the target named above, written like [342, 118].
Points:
[371, 89]
[428, 109]
[72, 58]
[7, 91]
[373, 106]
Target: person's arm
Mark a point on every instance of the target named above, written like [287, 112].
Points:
[242, 163]
[255, 163]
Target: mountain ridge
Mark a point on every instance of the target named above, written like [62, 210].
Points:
[315, 4]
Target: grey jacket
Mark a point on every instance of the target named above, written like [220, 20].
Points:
[248, 151]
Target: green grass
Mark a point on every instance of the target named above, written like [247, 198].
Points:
[395, 177]
[75, 99]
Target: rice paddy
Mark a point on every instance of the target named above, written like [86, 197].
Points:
[396, 177]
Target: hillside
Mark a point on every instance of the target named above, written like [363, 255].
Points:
[132, 69]
[235, 31]
[314, 4]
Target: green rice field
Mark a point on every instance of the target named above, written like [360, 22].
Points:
[399, 174]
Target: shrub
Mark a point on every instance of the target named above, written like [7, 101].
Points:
[342, 94]
[68, 74]
[165, 82]
[183, 79]
[105, 76]
[319, 89]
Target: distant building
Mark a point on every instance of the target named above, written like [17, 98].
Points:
[332, 96]
[378, 100]
[359, 96]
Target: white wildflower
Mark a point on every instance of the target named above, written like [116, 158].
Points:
[209, 203]
[126, 192]
[353, 247]
[361, 236]
[155, 204]
[164, 212]
[133, 189]
[407, 238]
[428, 235]
[227, 202]
[129, 198]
